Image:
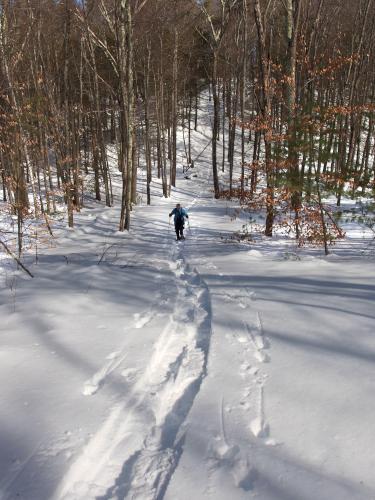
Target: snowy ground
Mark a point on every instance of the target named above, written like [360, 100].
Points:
[136, 367]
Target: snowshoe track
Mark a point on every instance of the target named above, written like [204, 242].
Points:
[136, 450]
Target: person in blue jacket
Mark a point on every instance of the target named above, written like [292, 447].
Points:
[179, 220]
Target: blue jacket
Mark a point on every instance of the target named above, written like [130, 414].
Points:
[179, 214]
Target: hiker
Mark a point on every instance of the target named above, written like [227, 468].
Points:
[179, 220]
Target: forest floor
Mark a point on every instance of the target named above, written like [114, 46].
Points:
[134, 366]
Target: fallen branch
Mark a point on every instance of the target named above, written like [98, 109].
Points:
[9, 252]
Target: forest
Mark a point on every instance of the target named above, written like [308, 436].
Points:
[187, 247]
[291, 82]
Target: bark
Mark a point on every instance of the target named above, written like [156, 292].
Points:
[265, 108]
[292, 26]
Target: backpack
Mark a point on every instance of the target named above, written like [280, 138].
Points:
[179, 215]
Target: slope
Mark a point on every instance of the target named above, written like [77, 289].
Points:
[138, 367]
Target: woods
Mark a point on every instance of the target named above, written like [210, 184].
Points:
[292, 87]
[226, 353]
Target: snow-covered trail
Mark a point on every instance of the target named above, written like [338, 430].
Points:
[136, 367]
[107, 354]
[136, 449]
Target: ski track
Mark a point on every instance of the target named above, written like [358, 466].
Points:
[253, 336]
[136, 450]
[225, 455]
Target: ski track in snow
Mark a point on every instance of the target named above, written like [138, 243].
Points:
[253, 336]
[136, 450]
[225, 455]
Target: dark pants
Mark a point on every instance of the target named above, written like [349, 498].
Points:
[179, 228]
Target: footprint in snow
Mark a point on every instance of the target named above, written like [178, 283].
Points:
[246, 369]
[262, 357]
[220, 451]
[242, 339]
[259, 428]
[140, 320]
[244, 474]
[112, 355]
[210, 265]
[232, 459]
[92, 385]
[129, 373]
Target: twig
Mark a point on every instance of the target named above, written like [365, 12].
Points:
[8, 251]
[105, 251]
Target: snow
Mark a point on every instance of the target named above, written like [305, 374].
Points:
[137, 367]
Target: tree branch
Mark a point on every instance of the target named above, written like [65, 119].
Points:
[9, 252]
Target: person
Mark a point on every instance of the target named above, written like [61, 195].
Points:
[179, 220]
